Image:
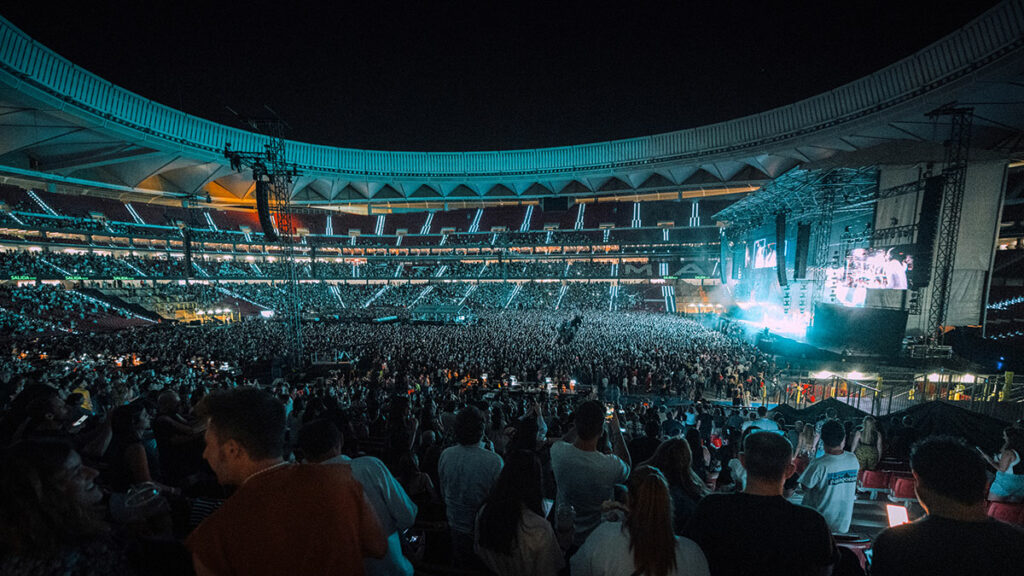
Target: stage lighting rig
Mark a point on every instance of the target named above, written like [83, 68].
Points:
[273, 176]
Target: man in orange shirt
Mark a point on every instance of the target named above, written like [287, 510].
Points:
[284, 518]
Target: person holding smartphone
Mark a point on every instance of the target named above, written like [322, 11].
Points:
[1008, 485]
[956, 536]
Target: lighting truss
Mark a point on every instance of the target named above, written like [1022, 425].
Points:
[270, 166]
[802, 195]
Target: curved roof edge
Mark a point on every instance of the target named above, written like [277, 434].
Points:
[992, 36]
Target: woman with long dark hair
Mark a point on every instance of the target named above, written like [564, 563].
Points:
[1008, 485]
[645, 542]
[132, 458]
[674, 460]
[512, 536]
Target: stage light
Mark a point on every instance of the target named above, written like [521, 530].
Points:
[933, 377]
[855, 375]
[823, 375]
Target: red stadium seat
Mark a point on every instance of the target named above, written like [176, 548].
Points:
[857, 544]
[894, 476]
[903, 491]
[874, 483]
[1009, 512]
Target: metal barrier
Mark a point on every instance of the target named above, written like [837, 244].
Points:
[997, 395]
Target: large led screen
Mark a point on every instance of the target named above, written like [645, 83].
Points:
[879, 268]
[764, 253]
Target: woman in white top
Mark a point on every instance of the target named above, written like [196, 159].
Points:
[643, 544]
[1008, 485]
[512, 536]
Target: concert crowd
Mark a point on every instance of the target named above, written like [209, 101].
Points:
[527, 443]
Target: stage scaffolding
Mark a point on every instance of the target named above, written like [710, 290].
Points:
[271, 169]
[804, 195]
[816, 197]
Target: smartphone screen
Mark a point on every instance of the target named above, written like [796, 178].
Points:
[546, 505]
[897, 514]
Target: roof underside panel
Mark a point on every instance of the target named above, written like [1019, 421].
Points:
[60, 124]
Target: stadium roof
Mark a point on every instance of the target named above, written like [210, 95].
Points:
[61, 126]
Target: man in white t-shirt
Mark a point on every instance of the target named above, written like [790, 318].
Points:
[586, 477]
[763, 422]
[321, 442]
[467, 472]
[830, 481]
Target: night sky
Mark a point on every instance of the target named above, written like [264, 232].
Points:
[440, 75]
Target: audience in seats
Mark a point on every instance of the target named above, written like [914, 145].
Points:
[644, 542]
[321, 442]
[499, 465]
[830, 482]
[513, 538]
[956, 536]
[1008, 484]
[467, 472]
[585, 476]
[758, 530]
[283, 518]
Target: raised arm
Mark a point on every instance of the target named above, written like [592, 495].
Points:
[618, 442]
[1006, 458]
